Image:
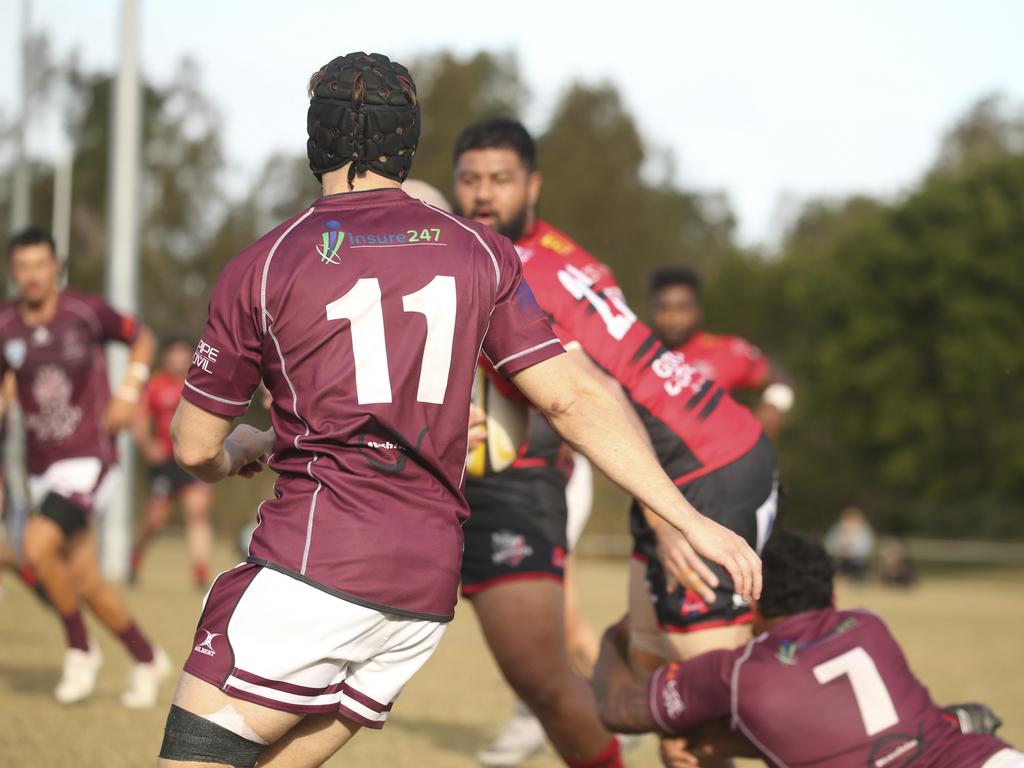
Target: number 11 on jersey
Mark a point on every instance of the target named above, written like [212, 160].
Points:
[361, 306]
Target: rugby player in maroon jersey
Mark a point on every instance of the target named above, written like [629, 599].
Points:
[817, 687]
[53, 341]
[167, 481]
[364, 316]
[712, 447]
[733, 362]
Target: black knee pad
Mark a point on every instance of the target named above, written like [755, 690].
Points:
[191, 738]
[68, 516]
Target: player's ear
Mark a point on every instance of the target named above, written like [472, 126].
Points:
[533, 186]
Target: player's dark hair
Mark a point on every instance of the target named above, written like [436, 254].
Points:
[498, 133]
[797, 573]
[31, 236]
[669, 275]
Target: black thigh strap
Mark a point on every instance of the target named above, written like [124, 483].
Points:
[65, 513]
[191, 738]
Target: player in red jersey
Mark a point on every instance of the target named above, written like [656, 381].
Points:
[167, 481]
[53, 340]
[364, 316]
[733, 362]
[817, 687]
[712, 447]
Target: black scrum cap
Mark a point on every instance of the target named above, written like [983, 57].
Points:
[363, 110]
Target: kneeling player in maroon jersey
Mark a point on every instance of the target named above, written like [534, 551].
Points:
[54, 343]
[817, 687]
[365, 315]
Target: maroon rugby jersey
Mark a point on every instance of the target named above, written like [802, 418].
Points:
[696, 427]
[823, 689]
[61, 370]
[365, 316]
[733, 363]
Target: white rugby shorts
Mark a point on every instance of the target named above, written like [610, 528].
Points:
[85, 480]
[277, 641]
[1006, 758]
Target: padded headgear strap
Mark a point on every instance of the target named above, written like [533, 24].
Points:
[363, 109]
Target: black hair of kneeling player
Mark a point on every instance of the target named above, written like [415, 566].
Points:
[797, 575]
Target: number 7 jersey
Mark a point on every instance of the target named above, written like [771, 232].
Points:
[365, 316]
[821, 689]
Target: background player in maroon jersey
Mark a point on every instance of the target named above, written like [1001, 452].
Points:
[364, 315]
[53, 340]
[817, 687]
[167, 481]
[677, 316]
[711, 446]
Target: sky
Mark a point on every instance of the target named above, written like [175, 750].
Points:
[771, 103]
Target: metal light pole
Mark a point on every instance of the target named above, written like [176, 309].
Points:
[21, 211]
[123, 264]
[21, 204]
[60, 225]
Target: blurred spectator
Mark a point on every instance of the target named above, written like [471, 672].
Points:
[894, 566]
[850, 542]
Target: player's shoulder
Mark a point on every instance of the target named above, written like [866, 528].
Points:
[249, 264]
[81, 303]
[8, 313]
[863, 618]
[549, 238]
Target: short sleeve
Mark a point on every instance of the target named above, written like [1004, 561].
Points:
[751, 361]
[683, 695]
[519, 335]
[226, 364]
[113, 325]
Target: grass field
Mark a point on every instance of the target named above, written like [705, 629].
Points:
[961, 632]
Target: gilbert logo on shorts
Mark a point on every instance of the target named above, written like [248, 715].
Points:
[206, 647]
[205, 356]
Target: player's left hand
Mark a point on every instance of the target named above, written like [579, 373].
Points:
[120, 415]
[676, 555]
[675, 755]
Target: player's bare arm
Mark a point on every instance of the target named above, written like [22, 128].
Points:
[588, 418]
[206, 445]
[674, 550]
[121, 411]
[621, 695]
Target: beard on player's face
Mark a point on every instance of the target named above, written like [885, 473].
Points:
[512, 225]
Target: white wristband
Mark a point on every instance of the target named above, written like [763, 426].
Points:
[139, 371]
[779, 395]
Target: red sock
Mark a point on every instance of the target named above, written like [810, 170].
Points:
[137, 645]
[199, 574]
[611, 757]
[74, 628]
[28, 576]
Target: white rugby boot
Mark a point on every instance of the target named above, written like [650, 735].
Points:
[144, 683]
[520, 739]
[78, 680]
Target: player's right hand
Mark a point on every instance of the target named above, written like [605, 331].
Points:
[675, 555]
[718, 544]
